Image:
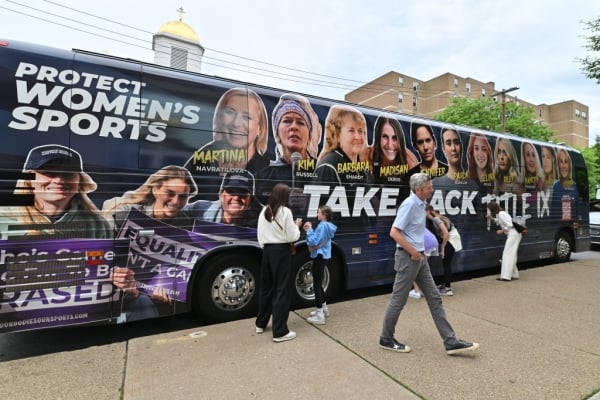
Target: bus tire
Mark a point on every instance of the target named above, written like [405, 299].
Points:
[562, 247]
[227, 289]
[303, 293]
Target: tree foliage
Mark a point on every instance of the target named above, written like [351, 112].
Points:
[590, 64]
[486, 113]
[592, 161]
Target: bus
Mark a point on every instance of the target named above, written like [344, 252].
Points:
[131, 191]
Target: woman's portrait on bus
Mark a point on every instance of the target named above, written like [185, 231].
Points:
[345, 144]
[236, 204]
[340, 162]
[61, 205]
[424, 142]
[240, 134]
[297, 131]
[240, 139]
[480, 161]
[453, 151]
[549, 166]
[531, 168]
[564, 189]
[391, 161]
[161, 197]
[506, 171]
[565, 170]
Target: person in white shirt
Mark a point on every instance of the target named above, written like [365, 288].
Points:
[513, 239]
[275, 231]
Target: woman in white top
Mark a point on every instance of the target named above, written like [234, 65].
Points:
[513, 239]
[276, 230]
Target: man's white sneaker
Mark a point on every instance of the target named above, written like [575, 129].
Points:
[414, 294]
[318, 318]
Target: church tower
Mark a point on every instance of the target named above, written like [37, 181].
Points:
[177, 45]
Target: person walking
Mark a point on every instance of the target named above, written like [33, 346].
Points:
[509, 269]
[408, 231]
[275, 231]
[319, 244]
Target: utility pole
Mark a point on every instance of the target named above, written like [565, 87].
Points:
[503, 94]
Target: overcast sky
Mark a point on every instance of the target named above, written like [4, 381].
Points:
[341, 44]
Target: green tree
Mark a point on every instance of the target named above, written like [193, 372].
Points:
[590, 64]
[592, 161]
[486, 113]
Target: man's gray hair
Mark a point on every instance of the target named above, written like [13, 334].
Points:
[418, 180]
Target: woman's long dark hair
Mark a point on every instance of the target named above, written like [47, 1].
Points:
[494, 208]
[279, 198]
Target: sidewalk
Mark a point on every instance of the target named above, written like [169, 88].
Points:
[538, 335]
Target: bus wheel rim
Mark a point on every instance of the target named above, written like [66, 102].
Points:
[233, 288]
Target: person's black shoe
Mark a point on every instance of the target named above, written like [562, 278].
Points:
[393, 345]
[462, 347]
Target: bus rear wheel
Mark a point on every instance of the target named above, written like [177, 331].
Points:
[226, 290]
[562, 247]
[304, 292]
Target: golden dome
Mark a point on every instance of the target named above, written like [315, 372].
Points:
[179, 28]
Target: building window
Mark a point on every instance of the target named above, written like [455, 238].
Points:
[401, 81]
[414, 102]
[415, 85]
[577, 112]
[179, 58]
[400, 98]
[483, 92]
[456, 82]
[468, 87]
[584, 115]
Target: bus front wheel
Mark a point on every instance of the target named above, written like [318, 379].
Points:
[562, 247]
[226, 290]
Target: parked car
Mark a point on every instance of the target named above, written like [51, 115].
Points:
[595, 224]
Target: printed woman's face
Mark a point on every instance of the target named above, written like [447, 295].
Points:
[240, 121]
[389, 142]
[352, 137]
[170, 198]
[293, 133]
[502, 158]
[530, 159]
[425, 144]
[53, 187]
[547, 160]
[452, 148]
[480, 153]
[564, 168]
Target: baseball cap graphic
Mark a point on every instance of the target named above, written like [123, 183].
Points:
[240, 179]
[54, 155]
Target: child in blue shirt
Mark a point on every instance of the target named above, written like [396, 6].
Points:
[319, 245]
